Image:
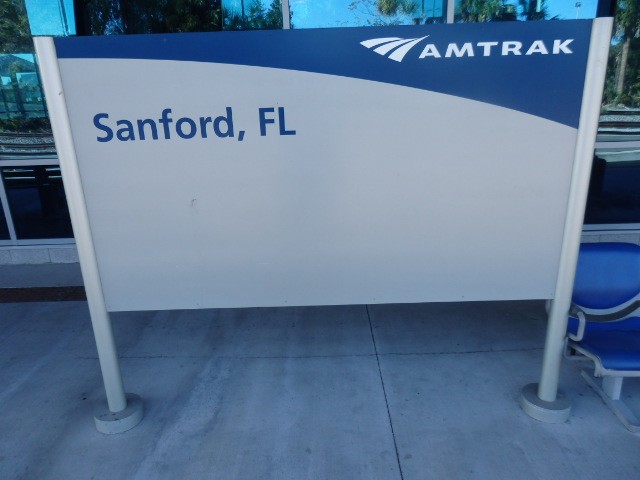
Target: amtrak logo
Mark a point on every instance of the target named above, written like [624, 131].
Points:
[398, 46]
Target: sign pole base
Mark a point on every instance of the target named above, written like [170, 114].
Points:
[110, 423]
[557, 411]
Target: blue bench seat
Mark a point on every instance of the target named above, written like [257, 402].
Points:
[604, 324]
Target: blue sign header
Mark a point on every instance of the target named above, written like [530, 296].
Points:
[532, 67]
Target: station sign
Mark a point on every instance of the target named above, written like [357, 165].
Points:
[331, 166]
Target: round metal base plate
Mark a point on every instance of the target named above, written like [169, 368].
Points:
[110, 423]
[557, 411]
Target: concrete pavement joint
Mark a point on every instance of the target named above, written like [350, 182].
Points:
[384, 391]
[232, 357]
[465, 352]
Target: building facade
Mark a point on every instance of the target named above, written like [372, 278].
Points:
[34, 221]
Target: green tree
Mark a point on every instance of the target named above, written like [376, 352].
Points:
[385, 12]
[484, 11]
[15, 36]
[627, 29]
[256, 17]
[109, 17]
[529, 10]
[390, 8]
[193, 15]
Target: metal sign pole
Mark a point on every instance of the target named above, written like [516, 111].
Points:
[451, 8]
[124, 411]
[543, 401]
[286, 15]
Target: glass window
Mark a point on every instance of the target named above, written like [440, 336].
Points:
[14, 28]
[4, 229]
[113, 17]
[505, 10]
[37, 202]
[51, 17]
[355, 13]
[252, 14]
[614, 192]
[614, 195]
[622, 88]
[102, 17]
[22, 105]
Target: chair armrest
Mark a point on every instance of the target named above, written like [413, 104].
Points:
[582, 323]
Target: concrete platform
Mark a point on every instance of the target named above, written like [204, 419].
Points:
[426, 391]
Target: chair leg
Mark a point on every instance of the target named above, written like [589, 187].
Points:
[612, 386]
[610, 394]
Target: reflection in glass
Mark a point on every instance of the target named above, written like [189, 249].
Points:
[622, 88]
[252, 14]
[355, 13]
[14, 28]
[525, 10]
[614, 192]
[51, 17]
[22, 106]
[614, 196]
[114, 17]
[37, 202]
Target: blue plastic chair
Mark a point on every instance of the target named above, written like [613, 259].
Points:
[604, 323]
